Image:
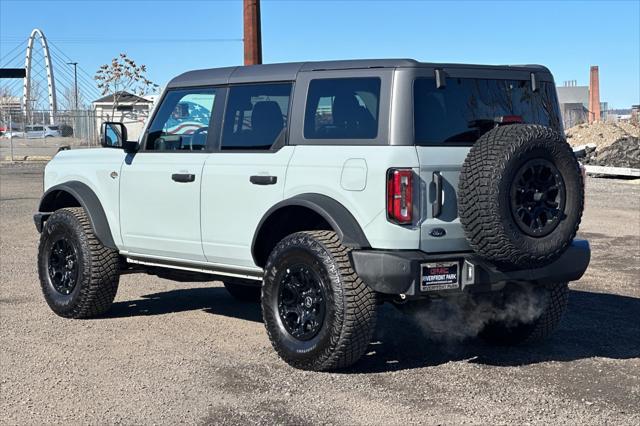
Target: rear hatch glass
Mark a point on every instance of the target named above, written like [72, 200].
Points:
[465, 108]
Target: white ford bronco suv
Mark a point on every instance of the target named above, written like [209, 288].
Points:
[324, 189]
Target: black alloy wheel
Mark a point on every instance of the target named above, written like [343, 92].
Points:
[538, 197]
[78, 275]
[520, 196]
[62, 266]
[318, 313]
[302, 302]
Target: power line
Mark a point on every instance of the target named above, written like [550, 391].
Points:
[95, 40]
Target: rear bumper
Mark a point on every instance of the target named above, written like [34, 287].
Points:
[398, 271]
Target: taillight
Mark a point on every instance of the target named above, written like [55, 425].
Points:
[400, 196]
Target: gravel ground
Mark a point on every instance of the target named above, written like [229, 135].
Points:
[186, 352]
[37, 147]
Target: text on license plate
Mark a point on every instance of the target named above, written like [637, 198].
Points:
[439, 276]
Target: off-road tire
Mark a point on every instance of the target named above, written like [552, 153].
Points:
[243, 292]
[98, 266]
[484, 195]
[350, 305]
[555, 298]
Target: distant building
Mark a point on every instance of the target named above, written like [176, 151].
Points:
[574, 103]
[10, 106]
[131, 110]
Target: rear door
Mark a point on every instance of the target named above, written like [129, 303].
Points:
[245, 176]
[448, 118]
[160, 185]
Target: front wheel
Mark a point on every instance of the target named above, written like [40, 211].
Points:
[318, 313]
[526, 314]
[78, 275]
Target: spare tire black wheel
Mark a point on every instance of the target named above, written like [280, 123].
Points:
[520, 196]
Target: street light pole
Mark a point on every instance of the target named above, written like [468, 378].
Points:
[75, 81]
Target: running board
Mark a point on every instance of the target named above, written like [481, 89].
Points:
[219, 270]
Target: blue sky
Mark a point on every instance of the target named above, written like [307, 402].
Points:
[553, 33]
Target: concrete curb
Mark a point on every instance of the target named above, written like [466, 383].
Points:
[23, 158]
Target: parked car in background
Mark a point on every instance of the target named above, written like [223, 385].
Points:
[65, 130]
[39, 131]
[13, 134]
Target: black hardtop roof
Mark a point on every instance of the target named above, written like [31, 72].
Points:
[289, 71]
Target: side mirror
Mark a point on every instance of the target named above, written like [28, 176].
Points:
[114, 135]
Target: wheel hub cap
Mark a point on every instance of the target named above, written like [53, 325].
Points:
[301, 302]
[538, 198]
[62, 266]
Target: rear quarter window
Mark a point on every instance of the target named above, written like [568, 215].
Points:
[342, 108]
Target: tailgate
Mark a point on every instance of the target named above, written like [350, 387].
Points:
[442, 164]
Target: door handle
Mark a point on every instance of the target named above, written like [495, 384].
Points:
[183, 177]
[263, 180]
[436, 208]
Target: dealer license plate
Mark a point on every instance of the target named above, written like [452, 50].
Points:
[439, 276]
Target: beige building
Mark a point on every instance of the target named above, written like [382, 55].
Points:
[132, 111]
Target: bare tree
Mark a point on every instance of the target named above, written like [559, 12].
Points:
[69, 99]
[35, 99]
[123, 76]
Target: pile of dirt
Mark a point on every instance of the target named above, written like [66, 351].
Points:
[624, 152]
[607, 144]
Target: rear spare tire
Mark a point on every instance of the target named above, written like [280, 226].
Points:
[520, 196]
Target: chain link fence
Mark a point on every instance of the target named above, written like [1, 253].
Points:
[38, 134]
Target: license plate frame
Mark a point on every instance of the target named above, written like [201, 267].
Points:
[446, 273]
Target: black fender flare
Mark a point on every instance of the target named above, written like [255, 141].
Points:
[87, 199]
[336, 215]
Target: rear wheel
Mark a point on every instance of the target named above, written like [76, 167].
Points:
[318, 313]
[526, 314]
[78, 275]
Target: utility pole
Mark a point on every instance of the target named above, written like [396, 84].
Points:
[252, 33]
[75, 81]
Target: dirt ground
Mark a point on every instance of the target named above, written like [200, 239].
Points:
[187, 352]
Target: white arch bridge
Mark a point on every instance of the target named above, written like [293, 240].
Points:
[51, 83]
[41, 88]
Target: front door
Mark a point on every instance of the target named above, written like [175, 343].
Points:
[160, 185]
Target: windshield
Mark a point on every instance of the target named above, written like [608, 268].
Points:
[466, 108]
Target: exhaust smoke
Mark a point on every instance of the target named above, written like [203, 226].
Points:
[454, 320]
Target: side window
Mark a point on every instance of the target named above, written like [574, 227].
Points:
[182, 121]
[256, 116]
[342, 108]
